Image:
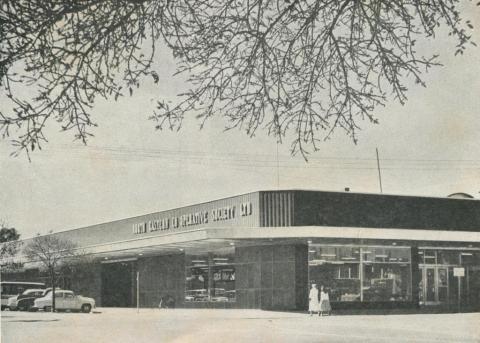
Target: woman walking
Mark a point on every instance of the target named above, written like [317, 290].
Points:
[313, 304]
[324, 302]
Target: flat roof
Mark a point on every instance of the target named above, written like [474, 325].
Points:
[265, 191]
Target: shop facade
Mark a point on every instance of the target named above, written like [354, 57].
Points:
[264, 250]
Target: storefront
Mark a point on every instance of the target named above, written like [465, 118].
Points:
[265, 249]
[440, 285]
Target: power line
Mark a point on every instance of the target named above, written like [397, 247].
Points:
[260, 161]
[247, 155]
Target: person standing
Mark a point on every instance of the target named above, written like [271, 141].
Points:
[313, 304]
[324, 302]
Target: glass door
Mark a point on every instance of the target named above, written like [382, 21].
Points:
[435, 285]
[430, 289]
[442, 284]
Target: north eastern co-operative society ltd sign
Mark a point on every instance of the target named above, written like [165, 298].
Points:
[194, 218]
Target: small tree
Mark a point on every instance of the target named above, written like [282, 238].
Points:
[52, 252]
[9, 246]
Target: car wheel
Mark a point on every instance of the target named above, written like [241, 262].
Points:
[86, 308]
[47, 309]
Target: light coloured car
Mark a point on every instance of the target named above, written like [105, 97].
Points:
[64, 301]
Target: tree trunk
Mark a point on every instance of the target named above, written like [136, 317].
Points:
[52, 278]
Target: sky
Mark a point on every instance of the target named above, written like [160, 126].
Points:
[428, 147]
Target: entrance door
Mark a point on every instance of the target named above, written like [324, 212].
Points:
[430, 289]
[442, 284]
[435, 285]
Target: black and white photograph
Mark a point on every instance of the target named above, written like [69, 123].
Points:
[207, 171]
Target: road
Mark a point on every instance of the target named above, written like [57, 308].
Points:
[192, 325]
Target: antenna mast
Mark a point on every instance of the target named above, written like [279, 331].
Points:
[379, 173]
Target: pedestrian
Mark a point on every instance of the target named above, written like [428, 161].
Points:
[324, 302]
[313, 304]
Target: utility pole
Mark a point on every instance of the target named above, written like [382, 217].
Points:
[379, 173]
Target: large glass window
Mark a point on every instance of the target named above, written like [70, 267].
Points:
[223, 272]
[337, 269]
[361, 273]
[196, 278]
[210, 277]
[386, 274]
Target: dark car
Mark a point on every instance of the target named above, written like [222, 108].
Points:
[25, 300]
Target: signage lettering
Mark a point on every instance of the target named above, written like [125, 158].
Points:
[159, 225]
[140, 228]
[194, 218]
[246, 209]
[223, 213]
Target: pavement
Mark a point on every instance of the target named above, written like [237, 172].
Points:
[217, 325]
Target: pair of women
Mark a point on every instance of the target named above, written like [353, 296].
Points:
[318, 304]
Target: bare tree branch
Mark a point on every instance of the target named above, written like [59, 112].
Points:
[300, 69]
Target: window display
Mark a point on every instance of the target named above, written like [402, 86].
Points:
[386, 282]
[337, 269]
[210, 277]
[386, 274]
[366, 273]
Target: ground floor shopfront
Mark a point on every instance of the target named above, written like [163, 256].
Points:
[277, 274]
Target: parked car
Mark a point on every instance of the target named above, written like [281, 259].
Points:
[10, 289]
[13, 302]
[64, 301]
[26, 299]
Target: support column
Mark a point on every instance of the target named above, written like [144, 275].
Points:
[416, 275]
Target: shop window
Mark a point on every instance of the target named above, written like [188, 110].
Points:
[210, 277]
[385, 276]
[223, 271]
[337, 280]
[196, 278]
[337, 269]
[386, 282]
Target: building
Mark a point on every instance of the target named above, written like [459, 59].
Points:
[264, 249]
